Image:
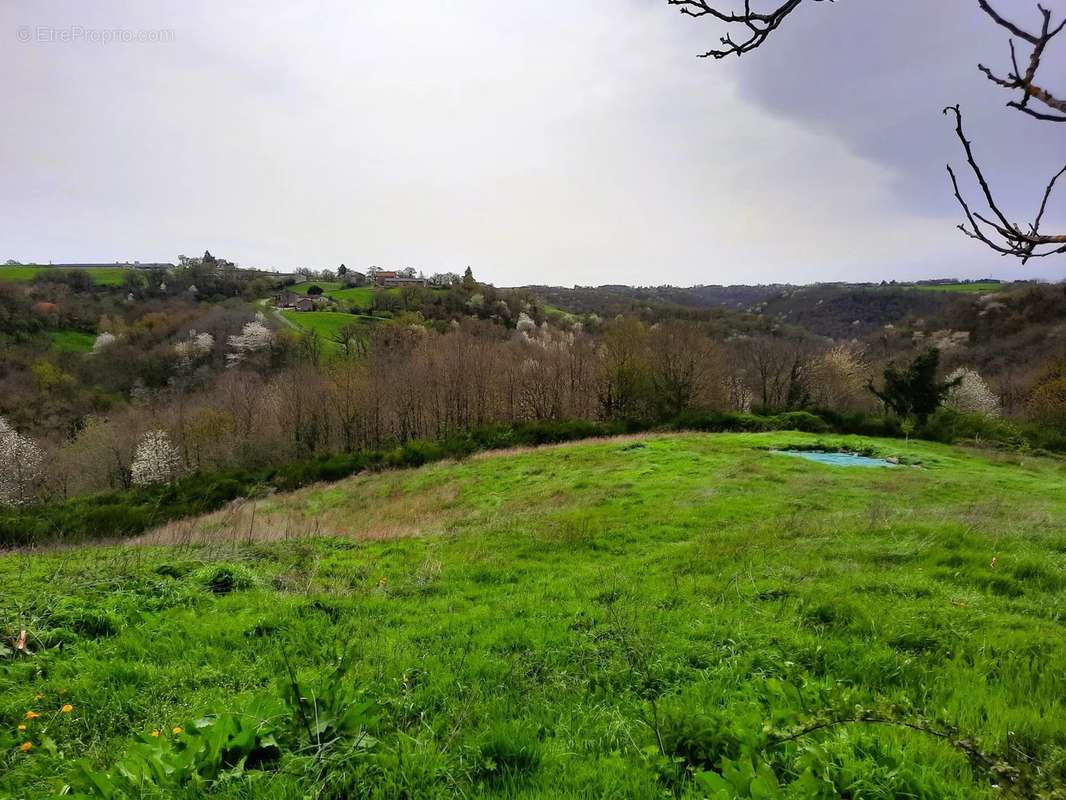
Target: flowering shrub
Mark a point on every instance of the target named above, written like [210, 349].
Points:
[197, 346]
[156, 460]
[970, 394]
[103, 341]
[20, 465]
[526, 324]
[254, 337]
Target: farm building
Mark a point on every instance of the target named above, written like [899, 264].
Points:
[286, 299]
[403, 281]
[389, 278]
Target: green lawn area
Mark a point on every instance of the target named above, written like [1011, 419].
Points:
[325, 286]
[72, 341]
[326, 324]
[645, 617]
[361, 296]
[105, 276]
[962, 288]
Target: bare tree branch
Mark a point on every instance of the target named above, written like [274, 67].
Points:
[759, 25]
[1000, 234]
[1025, 82]
[991, 226]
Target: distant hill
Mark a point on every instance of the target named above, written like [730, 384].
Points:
[837, 310]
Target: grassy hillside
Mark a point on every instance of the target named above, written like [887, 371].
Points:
[72, 341]
[360, 295]
[623, 618]
[105, 276]
[326, 323]
[983, 287]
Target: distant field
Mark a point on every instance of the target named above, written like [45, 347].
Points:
[962, 288]
[72, 341]
[326, 323]
[628, 618]
[105, 276]
[361, 296]
[325, 286]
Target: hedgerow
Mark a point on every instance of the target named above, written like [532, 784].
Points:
[128, 512]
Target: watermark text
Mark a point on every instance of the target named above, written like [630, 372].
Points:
[71, 34]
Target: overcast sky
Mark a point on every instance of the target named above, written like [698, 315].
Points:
[537, 141]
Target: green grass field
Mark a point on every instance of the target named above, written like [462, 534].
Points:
[361, 296]
[72, 341]
[325, 286]
[101, 277]
[326, 323]
[643, 617]
[961, 288]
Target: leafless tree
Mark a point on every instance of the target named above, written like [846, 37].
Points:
[991, 226]
[687, 368]
[777, 366]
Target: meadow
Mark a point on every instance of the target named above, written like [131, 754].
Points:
[359, 295]
[326, 323]
[68, 341]
[684, 615]
[105, 276]
[981, 287]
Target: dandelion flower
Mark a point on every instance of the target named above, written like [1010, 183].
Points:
[25, 747]
[178, 729]
[32, 715]
[66, 709]
[22, 728]
[155, 734]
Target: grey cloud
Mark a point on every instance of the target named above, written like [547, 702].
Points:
[541, 142]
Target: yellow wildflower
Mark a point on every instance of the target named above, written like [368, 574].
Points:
[178, 730]
[155, 734]
[32, 715]
[22, 728]
[67, 708]
[25, 747]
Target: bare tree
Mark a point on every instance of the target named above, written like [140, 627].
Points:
[686, 367]
[777, 366]
[991, 226]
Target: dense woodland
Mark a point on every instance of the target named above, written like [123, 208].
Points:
[193, 364]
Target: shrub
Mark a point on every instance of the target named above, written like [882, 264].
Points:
[700, 739]
[949, 425]
[226, 578]
[507, 751]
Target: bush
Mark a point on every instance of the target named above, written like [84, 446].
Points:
[507, 752]
[701, 740]
[948, 425]
[226, 578]
[133, 511]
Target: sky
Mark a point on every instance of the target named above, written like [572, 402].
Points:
[537, 141]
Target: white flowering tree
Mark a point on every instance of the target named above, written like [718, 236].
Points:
[20, 466]
[104, 341]
[254, 337]
[193, 348]
[970, 394]
[156, 460]
[525, 324]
